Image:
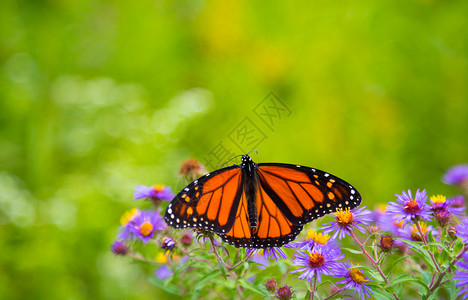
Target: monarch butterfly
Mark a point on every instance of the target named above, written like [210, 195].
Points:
[259, 205]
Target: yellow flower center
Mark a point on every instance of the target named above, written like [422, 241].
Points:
[438, 199]
[317, 237]
[415, 232]
[158, 187]
[146, 228]
[161, 258]
[357, 275]
[344, 217]
[316, 260]
[128, 216]
[382, 208]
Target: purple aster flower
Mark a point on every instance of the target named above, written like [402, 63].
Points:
[457, 206]
[407, 209]
[274, 253]
[154, 192]
[461, 276]
[323, 260]
[462, 230]
[440, 209]
[143, 226]
[258, 258]
[269, 253]
[354, 279]
[412, 232]
[119, 248]
[163, 272]
[346, 220]
[313, 239]
[456, 175]
[387, 223]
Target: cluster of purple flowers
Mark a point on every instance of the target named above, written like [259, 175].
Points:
[319, 254]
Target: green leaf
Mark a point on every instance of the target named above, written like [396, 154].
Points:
[379, 294]
[430, 238]
[206, 279]
[399, 279]
[171, 289]
[247, 285]
[352, 250]
[457, 247]
[419, 251]
[395, 263]
[406, 278]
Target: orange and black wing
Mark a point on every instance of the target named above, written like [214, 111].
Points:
[304, 194]
[289, 196]
[211, 202]
[274, 229]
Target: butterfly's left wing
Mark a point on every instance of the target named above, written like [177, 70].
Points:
[289, 196]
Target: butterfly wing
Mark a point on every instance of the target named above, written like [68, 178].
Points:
[304, 194]
[211, 202]
[274, 229]
[286, 197]
[290, 196]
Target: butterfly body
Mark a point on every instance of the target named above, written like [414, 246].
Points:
[259, 205]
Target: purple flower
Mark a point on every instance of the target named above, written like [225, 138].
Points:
[354, 279]
[269, 253]
[346, 220]
[456, 175]
[387, 223]
[155, 192]
[143, 226]
[440, 209]
[314, 239]
[119, 248]
[412, 232]
[407, 209]
[462, 230]
[258, 258]
[274, 254]
[457, 206]
[461, 276]
[163, 272]
[323, 260]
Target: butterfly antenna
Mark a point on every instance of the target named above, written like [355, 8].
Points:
[230, 160]
[252, 151]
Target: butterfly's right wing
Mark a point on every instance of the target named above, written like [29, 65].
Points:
[211, 202]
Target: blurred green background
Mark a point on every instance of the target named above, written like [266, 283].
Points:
[98, 96]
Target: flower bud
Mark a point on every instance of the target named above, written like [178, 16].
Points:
[186, 239]
[386, 243]
[167, 243]
[284, 293]
[119, 248]
[192, 169]
[271, 285]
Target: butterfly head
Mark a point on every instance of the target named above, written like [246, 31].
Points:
[246, 158]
